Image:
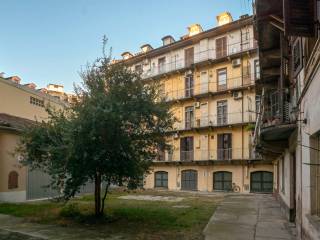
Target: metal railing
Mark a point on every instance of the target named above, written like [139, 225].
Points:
[215, 120]
[217, 154]
[210, 87]
[200, 56]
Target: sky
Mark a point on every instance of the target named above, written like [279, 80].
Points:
[50, 41]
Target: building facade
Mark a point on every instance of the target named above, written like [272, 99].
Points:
[20, 106]
[208, 78]
[288, 130]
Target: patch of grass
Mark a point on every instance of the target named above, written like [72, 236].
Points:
[139, 218]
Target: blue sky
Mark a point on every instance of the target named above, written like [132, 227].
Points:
[48, 41]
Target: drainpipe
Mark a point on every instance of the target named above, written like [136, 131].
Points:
[281, 83]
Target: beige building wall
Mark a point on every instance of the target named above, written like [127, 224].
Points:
[240, 175]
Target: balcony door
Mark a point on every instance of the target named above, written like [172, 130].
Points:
[189, 117]
[222, 112]
[204, 82]
[221, 47]
[204, 147]
[186, 149]
[204, 120]
[224, 146]
[189, 85]
[161, 65]
[189, 56]
[222, 79]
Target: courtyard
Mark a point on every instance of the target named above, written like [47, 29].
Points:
[149, 215]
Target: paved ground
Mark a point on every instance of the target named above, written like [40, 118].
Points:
[248, 217]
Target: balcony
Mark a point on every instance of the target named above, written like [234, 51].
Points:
[211, 87]
[276, 124]
[199, 57]
[227, 154]
[216, 120]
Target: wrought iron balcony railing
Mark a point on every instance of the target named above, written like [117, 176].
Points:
[218, 154]
[199, 56]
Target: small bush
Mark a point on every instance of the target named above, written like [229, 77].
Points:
[70, 210]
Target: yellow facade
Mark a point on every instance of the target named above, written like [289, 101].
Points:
[25, 103]
[215, 110]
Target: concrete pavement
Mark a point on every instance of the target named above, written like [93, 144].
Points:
[248, 217]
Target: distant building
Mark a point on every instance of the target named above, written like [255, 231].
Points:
[209, 78]
[20, 106]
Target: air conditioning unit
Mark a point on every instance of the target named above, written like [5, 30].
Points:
[197, 104]
[237, 95]
[236, 62]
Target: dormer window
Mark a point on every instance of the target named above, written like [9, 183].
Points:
[126, 55]
[194, 29]
[146, 48]
[167, 40]
[224, 18]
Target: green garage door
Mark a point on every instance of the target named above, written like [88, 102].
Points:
[189, 180]
[222, 181]
[261, 182]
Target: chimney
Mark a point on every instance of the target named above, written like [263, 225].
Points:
[15, 79]
[31, 85]
[224, 18]
[126, 55]
[146, 48]
[166, 40]
[194, 29]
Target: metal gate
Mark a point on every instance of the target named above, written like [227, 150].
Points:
[38, 186]
[261, 182]
[189, 180]
[222, 181]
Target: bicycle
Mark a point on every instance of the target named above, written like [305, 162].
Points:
[235, 188]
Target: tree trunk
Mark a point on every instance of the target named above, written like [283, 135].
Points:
[97, 194]
[104, 197]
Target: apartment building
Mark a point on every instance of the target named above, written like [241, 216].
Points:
[20, 106]
[209, 79]
[288, 126]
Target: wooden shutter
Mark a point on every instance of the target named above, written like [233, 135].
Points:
[299, 17]
[220, 147]
[13, 180]
[221, 47]
[189, 56]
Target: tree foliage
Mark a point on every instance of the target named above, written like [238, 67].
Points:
[110, 136]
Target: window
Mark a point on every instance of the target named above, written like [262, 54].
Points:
[315, 174]
[138, 68]
[283, 187]
[161, 64]
[222, 112]
[189, 180]
[36, 101]
[222, 79]
[189, 117]
[189, 56]
[186, 149]
[13, 180]
[221, 47]
[245, 36]
[297, 56]
[222, 181]
[161, 179]
[189, 85]
[225, 146]
[256, 69]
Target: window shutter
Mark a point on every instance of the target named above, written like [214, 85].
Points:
[13, 180]
[189, 56]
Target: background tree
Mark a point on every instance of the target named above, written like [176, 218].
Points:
[110, 136]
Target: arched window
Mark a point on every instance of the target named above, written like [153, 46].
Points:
[13, 180]
[222, 181]
[161, 179]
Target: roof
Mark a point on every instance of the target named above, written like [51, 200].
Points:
[11, 122]
[216, 31]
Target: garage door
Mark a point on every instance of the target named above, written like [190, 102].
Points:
[222, 181]
[189, 180]
[261, 182]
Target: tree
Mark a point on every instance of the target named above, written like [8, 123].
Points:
[110, 136]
